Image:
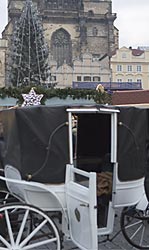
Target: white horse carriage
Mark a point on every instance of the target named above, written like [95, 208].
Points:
[69, 169]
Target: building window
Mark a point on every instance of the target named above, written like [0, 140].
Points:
[119, 67]
[139, 68]
[124, 55]
[95, 31]
[96, 78]
[129, 80]
[79, 79]
[90, 13]
[129, 68]
[62, 4]
[53, 78]
[96, 57]
[139, 80]
[61, 47]
[119, 80]
[87, 78]
[77, 28]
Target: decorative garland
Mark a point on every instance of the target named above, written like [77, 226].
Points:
[99, 96]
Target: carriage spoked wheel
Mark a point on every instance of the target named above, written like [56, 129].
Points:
[135, 227]
[26, 227]
[6, 197]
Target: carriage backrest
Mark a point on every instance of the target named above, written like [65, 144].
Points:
[14, 188]
[47, 197]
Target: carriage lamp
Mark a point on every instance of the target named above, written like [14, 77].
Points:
[29, 177]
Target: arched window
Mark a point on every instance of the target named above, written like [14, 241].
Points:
[90, 13]
[61, 47]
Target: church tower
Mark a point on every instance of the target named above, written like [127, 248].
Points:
[74, 28]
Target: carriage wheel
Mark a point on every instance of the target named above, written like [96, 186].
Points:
[6, 197]
[135, 227]
[4, 194]
[26, 227]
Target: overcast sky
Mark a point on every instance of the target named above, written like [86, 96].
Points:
[132, 21]
[3, 14]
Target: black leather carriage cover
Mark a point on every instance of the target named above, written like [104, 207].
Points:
[28, 130]
[132, 142]
[27, 133]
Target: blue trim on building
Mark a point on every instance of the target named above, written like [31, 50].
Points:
[108, 85]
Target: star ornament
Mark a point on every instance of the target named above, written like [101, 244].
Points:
[31, 99]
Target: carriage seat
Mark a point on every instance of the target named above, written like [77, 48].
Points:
[46, 197]
[14, 188]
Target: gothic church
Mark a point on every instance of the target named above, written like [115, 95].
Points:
[80, 35]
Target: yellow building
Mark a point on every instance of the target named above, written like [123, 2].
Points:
[131, 65]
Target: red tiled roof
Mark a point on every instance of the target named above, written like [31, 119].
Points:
[130, 97]
[137, 52]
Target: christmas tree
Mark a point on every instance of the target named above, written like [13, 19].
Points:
[28, 60]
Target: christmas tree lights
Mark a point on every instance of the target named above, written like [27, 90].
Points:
[28, 58]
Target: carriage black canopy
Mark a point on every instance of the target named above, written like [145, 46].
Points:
[132, 142]
[36, 141]
[27, 132]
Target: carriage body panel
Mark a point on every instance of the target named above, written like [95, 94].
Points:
[127, 193]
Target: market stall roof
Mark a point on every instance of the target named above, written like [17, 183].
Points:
[8, 102]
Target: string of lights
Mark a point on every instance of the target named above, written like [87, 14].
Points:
[28, 57]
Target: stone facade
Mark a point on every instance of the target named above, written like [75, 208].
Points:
[131, 65]
[3, 49]
[80, 35]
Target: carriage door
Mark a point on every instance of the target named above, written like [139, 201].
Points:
[81, 206]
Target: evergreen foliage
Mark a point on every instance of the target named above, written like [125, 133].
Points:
[98, 96]
[28, 62]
